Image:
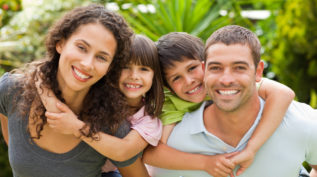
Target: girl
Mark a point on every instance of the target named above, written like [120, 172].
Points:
[81, 47]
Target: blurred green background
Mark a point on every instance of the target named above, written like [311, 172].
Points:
[287, 30]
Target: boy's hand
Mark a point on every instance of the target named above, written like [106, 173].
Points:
[220, 165]
[244, 159]
[65, 122]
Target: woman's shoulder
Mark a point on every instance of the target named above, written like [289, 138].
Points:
[9, 80]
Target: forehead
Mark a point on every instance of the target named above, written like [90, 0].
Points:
[179, 66]
[227, 54]
[97, 36]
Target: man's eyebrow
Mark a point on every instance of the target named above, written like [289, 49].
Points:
[241, 62]
[213, 63]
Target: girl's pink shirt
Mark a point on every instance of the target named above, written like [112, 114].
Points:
[149, 128]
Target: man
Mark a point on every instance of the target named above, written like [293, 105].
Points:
[232, 67]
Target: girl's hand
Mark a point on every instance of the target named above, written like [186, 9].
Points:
[220, 165]
[244, 159]
[65, 122]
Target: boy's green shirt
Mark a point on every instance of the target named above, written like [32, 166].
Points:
[175, 108]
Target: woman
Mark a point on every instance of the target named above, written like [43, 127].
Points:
[81, 47]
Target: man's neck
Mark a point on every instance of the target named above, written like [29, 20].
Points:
[230, 127]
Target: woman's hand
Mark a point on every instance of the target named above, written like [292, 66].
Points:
[65, 122]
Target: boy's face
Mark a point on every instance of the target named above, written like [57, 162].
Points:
[186, 79]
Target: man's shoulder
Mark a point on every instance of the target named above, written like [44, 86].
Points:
[301, 111]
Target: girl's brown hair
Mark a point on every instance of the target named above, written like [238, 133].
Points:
[144, 52]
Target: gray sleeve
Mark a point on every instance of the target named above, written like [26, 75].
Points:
[4, 87]
[127, 162]
[122, 131]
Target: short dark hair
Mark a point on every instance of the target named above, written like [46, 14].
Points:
[234, 34]
[174, 46]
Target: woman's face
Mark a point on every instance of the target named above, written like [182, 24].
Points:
[85, 57]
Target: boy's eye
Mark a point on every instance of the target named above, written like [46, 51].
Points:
[192, 68]
[175, 78]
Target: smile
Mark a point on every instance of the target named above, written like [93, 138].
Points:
[196, 89]
[133, 86]
[80, 75]
[228, 92]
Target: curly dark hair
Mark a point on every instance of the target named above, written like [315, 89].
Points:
[100, 109]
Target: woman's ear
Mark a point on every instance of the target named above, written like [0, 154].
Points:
[59, 46]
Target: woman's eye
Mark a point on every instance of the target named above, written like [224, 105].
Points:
[102, 58]
[82, 48]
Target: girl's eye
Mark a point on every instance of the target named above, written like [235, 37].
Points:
[144, 69]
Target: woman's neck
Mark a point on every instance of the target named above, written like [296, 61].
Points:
[74, 100]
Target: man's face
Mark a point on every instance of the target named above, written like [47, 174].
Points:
[230, 75]
[185, 79]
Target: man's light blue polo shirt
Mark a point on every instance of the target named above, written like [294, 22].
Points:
[281, 156]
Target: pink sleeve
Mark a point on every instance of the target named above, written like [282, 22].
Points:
[149, 128]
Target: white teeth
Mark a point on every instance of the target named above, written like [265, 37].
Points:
[228, 92]
[194, 90]
[81, 75]
[132, 86]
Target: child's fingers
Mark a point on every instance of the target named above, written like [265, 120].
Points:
[62, 107]
[228, 164]
[53, 116]
[229, 155]
[240, 171]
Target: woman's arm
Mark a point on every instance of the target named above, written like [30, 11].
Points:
[63, 120]
[4, 127]
[278, 97]
[137, 169]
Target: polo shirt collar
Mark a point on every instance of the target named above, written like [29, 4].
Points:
[198, 126]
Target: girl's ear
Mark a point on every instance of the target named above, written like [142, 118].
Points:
[59, 46]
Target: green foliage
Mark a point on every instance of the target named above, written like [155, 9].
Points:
[197, 17]
[8, 8]
[294, 51]
[22, 40]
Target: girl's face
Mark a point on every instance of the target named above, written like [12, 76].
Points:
[186, 80]
[134, 82]
[85, 57]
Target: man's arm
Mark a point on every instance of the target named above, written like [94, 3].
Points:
[313, 172]
[4, 127]
[137, 169]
